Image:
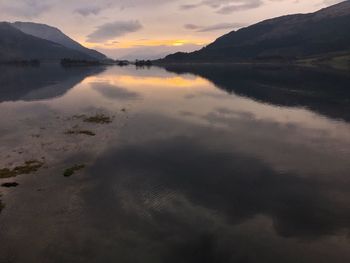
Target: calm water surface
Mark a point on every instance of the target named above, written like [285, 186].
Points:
[200, 164]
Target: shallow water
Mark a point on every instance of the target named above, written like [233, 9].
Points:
[199, 164]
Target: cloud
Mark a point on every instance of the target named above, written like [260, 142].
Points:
[26, 8]
[112, 30]
[90, 10]
[137, 3]
[215, 27]
[192, 26]
[239, 6]
[332, 2]
[225, 6]
[94, 9]
[189, 6]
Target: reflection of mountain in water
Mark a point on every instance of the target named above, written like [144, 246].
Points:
[38, 83]
[325, 92]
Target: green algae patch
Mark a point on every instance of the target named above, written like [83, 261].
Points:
[28, 167]
[70, 171]
[79, 132]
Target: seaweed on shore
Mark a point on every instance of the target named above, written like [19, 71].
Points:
[97, 119]
[77, 132]
[28, 167]
[72, 170]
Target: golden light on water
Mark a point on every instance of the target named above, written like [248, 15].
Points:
[164, 82]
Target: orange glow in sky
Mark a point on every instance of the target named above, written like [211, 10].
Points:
[147, 43]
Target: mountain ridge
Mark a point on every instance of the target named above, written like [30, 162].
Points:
[55, 35]
[17, 45]
[285, 38]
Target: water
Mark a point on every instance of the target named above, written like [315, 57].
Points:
[199, 164]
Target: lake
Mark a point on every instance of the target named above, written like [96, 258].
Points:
[175, 164]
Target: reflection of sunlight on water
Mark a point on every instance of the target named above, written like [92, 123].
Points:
[142, 81]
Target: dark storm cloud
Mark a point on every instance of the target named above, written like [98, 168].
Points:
[112, 30]
[216, 27]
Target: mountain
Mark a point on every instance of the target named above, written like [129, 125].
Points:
[24, 41]
[55, 35]
[16, 45]
[288, 37]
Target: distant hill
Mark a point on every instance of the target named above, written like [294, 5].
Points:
[284, 38]
[17, 45]
[55, 35]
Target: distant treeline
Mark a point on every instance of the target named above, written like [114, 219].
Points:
[73, 62]
[67, 62]
[122, 63]
[143, 63]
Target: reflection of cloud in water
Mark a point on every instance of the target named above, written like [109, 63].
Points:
[239, 114]
[214, 95]
[113, 92]
[186, 113]
[181, 201]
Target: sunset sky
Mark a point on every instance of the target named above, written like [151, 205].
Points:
[150, 28]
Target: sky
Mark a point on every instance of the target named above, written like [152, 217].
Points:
[148, 29]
